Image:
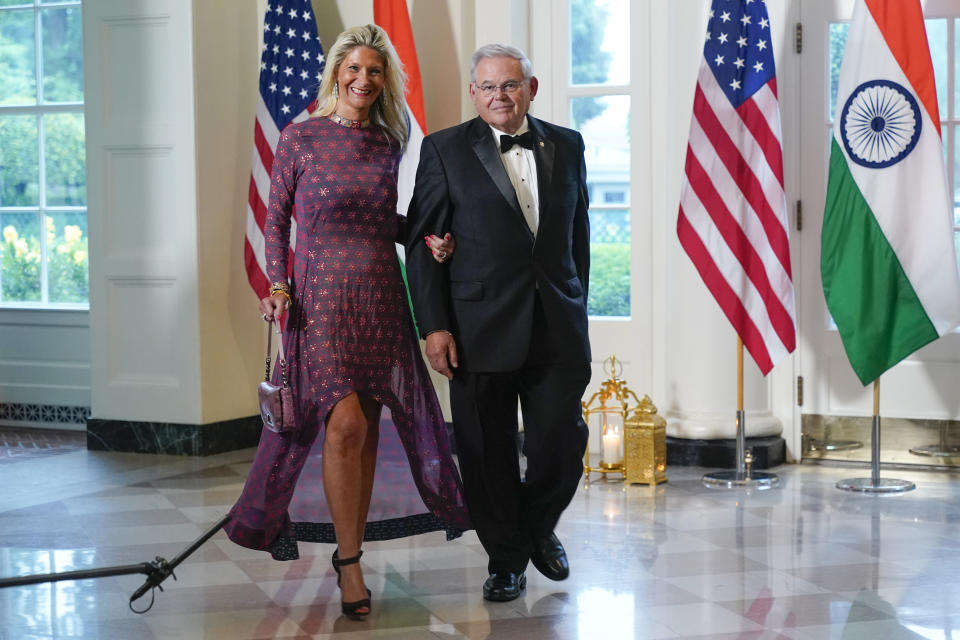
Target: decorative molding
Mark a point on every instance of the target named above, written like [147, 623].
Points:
[141, 282]
[42, 414]
[45, 317]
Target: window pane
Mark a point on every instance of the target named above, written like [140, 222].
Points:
[62, 55]
[18, 161]
[20, 257]
[838, 40]
[956, 176]
[937, 36]
[67, 257]
[604, 123]
[18, 81]
[64, 157]
[599, 41]
[609, 263]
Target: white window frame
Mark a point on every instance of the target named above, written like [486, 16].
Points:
[39, 110]
[629, 338]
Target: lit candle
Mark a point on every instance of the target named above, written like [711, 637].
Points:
[611, 448]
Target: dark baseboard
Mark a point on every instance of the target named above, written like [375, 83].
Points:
[173, 438]
[768, 452]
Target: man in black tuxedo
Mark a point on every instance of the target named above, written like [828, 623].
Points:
[506, 317]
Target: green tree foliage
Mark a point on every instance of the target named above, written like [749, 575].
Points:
[65, 159]
[589, 63]
[609, 279]
[62, 55]
[17, 71]
[18, 161]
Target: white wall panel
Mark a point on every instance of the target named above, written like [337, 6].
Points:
[912, 389]
[44, 357]
[137, 51]
[139, 208]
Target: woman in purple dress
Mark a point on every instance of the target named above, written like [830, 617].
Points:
[349, 339]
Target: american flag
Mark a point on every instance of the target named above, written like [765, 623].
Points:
[290, 69]
[733, 210]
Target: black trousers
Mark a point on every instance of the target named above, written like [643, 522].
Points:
[507, 510]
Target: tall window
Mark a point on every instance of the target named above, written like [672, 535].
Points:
[43, 187]
[599, 94]
[943, 34]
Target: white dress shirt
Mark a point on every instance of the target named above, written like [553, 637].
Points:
[522, 169]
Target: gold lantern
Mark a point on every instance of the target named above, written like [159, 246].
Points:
[607, 410]
[645, 447]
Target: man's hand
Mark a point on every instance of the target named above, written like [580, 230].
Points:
[442, 353]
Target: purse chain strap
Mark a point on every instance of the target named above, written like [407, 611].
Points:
[281, 359]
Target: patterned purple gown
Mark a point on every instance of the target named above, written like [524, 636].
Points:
[349, 329]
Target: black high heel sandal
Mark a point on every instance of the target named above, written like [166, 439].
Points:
[351, 609]
[336, 559]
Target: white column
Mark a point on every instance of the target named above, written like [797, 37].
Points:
[701, 365]
[175, 337]
[142, 211]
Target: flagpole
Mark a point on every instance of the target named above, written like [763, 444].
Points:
[743, 475]
[876, 484]
[875, 437]
[742, 471]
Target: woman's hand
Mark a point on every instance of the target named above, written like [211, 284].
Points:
[441, 248]
[274, 306]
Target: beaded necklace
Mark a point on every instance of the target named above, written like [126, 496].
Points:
[350, 124]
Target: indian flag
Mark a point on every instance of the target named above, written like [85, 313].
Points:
[393, 17]
[888, 262]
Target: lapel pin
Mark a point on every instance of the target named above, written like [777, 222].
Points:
[541, 143]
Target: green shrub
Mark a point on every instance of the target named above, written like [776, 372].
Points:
[609, 279]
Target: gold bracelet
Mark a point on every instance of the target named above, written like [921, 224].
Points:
[280, 285]
[284, 293]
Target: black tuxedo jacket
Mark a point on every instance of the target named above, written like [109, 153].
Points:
[485, 294]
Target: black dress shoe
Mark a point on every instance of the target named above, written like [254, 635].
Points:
[504, 586]
[549, 557]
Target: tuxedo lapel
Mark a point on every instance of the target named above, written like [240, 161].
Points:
[489, 155]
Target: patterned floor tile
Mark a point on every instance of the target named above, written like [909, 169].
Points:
[800, 562]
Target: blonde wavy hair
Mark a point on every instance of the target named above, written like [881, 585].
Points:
[390, 109]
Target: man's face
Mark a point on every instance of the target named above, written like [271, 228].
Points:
[499, 93]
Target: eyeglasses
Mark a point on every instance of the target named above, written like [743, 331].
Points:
[510, 86]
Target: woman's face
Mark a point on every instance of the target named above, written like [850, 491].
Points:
[360, 81]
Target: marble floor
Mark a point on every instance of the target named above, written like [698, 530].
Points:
[803, 561]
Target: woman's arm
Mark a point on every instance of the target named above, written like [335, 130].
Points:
[276, 228]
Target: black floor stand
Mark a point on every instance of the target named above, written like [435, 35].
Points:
[156, 571]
